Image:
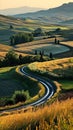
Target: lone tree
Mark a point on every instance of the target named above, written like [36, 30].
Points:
[51, 55]
[41, 55]
[12, 40]
[58, 30]
[55, 40]
[20, 59]
[11, 26]
[58, 42]
[36, 52]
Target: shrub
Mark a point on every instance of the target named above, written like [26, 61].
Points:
[11, 58]
[20, 96]
[9, 101]
[38, 32]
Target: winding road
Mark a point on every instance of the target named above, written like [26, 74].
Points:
[49, 88]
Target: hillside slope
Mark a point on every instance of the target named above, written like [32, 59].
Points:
[13, 11]
[54, 15]
[58, 116]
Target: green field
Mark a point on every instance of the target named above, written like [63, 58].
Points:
[66, 84]
[10, 81]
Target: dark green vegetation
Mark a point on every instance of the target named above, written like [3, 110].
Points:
[38, 32]
[21, 38]
[67, 34]
[20, 96]
[66, 84]
[11, 58]
[10, 82]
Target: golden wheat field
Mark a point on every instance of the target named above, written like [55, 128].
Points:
[4, 49]
[57, 67]
[58, 116]
[69, 43]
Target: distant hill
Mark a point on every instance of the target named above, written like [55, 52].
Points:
[67, 22]
[54, 15]
[13, 11]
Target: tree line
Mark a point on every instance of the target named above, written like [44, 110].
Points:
[21, 38]
[12, 59]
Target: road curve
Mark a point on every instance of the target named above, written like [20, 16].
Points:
[48, 87]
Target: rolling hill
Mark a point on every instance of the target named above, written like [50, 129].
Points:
[27, 25]
[19, 10]
[67, 22]
[54, 15]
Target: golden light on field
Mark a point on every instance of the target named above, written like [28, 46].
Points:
[59, 114]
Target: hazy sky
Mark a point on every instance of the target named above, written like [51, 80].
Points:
[33, 3]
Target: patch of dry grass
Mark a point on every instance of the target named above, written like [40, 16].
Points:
[69, 43]
[60, 67]
[4, 49]
[57, 116]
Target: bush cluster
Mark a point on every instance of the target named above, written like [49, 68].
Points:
[12, 59]
[18, 96]
[38, 32]
[21, 38]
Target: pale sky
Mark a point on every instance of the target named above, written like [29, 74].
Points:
[32, 3]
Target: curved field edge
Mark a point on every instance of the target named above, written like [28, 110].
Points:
[57, 116]
[40, 94]
[55, 68]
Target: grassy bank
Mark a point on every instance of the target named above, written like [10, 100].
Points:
[58, 116]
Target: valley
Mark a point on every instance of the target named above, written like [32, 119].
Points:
[36, 69]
